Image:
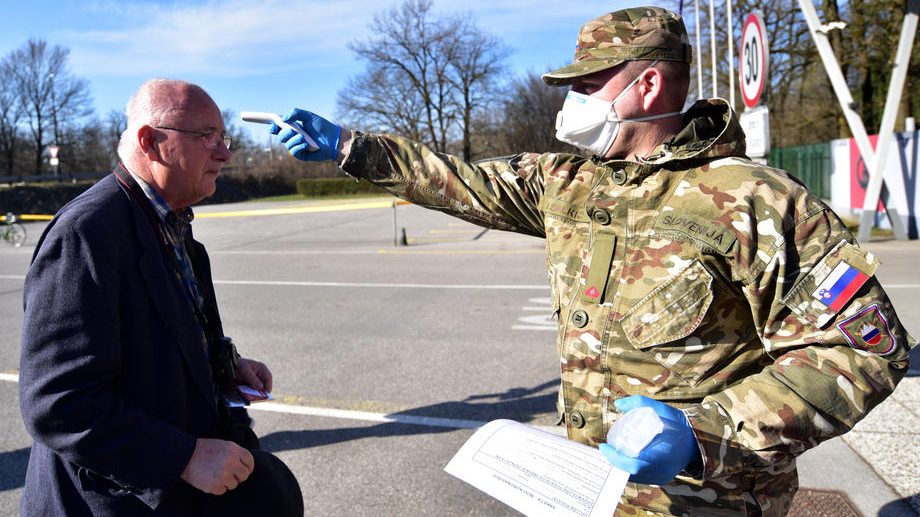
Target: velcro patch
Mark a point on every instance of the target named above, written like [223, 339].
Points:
[839, 286]
[868, 330]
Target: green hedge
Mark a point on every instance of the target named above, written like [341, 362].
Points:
[335, 187]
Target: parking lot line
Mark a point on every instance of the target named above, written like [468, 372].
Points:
[346, 414]
[389, 286]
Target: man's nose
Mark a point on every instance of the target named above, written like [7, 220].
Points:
[221, 153]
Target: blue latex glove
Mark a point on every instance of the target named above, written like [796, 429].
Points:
[666, 455]
[324, 133]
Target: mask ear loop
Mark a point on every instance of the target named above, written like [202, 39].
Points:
[622, 93]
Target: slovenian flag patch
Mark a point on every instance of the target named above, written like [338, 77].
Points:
[839, 286]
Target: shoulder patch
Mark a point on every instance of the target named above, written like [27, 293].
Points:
[868, 330]
[704, 230]
[839, 286]
[831, 284]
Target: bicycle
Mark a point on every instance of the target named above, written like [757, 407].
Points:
[12, 231]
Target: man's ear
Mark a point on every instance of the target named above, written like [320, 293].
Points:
[146, 141]
[650, 87]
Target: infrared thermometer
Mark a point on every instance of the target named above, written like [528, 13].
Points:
[263, 117]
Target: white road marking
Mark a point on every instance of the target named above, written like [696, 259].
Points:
[345, 414]
[294, 283]
[367, 416]
[544, 321]
[392, 286]
[533, 327]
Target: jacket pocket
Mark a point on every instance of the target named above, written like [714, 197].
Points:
[659, 323]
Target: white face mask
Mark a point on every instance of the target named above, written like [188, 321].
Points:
[592, 124]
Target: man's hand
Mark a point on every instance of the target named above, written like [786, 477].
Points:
[254, 373]
[666, 455]
[324, 133]
[217, 466]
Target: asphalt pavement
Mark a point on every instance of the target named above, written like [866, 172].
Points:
[386, 356]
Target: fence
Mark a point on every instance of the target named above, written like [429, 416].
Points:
[810, 163]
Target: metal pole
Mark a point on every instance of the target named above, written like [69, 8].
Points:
[845, 98]
[57, 138]
[395, 231]
[731, 55]
[699, 50]
[886, 130]
[712, 41]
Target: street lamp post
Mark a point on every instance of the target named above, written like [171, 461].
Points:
[57, 137]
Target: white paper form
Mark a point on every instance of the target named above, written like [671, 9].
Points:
[538, 473]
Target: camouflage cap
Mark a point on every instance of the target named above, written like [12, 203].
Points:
[638, 33]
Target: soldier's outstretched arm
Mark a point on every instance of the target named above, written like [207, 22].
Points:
[502, 193]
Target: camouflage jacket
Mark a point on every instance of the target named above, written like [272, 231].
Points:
[695, 277]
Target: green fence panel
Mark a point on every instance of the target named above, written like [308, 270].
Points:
[809, 163]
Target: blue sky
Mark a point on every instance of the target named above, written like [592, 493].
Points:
[262, 55]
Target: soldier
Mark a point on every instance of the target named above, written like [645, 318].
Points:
[686, 278]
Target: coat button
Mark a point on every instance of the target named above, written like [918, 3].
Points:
[580, 318]
[577, 419]
[619, 177]
[601, 216]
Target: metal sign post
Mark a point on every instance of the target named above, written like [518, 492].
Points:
[753, 73]
[53, 157]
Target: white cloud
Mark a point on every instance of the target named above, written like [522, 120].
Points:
[229, 38]
[237, 38]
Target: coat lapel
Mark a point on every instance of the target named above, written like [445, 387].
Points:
[171, 302]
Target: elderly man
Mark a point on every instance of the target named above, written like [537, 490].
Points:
[687, 279]
[123, 356]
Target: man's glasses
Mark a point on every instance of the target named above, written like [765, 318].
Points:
[211, 138]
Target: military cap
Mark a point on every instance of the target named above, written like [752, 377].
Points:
[638, 33]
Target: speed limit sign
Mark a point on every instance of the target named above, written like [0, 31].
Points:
[755, 59]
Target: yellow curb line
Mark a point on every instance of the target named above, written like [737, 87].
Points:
[260, 211]
[31, 217]
[298, 210]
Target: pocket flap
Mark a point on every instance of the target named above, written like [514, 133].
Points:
[672, 311]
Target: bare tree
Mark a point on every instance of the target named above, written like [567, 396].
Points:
[530, 115]
[426, 76]
[115, 123]
[48, 92]
[802, 104]
[10, 115]
[476, 60]
[399, 108]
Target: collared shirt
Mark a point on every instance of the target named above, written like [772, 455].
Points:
[176, 225]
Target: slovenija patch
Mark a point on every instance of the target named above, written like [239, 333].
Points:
[868, 330]
[839, 286]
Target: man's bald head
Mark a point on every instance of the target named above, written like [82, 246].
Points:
[175, 140]
[156, 103]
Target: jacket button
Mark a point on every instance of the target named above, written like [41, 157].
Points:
[577, 419]
[580, 318]
[619, 177]
[601, 216]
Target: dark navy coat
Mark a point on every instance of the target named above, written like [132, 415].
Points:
[115, 385]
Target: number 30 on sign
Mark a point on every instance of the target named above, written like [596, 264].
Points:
[755, 57]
